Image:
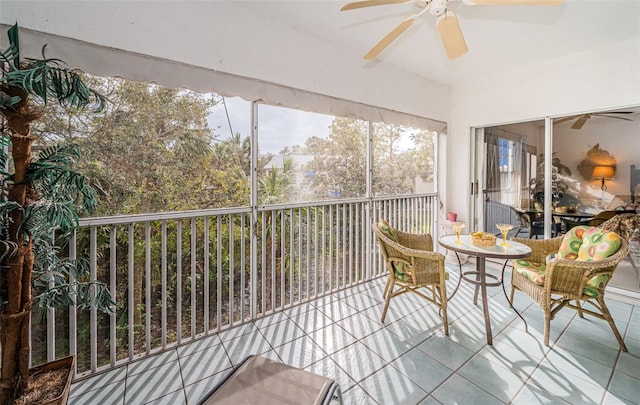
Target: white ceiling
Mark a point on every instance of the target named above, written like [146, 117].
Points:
[499, 38]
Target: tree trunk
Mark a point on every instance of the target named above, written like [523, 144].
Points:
[15, 279]
[138, 276]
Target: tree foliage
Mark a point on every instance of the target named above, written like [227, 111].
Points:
[152, 150]
[340, 164]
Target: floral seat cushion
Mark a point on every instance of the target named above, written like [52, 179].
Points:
[531, 270]
[581, 243]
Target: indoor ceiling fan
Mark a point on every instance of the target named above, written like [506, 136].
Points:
[447, 22]
[582, 119]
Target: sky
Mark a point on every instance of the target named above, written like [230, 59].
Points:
[279, 127]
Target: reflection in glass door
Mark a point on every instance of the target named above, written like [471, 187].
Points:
[504, 165]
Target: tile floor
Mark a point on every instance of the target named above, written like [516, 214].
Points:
[408, 360]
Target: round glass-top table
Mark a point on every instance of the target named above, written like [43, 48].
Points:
[515, 250]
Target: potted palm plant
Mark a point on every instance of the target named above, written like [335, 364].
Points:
[39, 204]
[558, 185]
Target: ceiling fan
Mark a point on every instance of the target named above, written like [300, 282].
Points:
[582, 119]
[447, 22]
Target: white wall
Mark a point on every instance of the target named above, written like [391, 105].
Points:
[604, 78]
[620, 138]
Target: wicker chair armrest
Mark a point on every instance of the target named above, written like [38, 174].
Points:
[568, 276]
[571, 275]
[541, 248]
[428, 270]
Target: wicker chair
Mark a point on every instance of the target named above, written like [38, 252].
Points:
[565, 281]
[412, 265]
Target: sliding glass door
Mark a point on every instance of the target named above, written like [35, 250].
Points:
[547, 169]
[503, 169]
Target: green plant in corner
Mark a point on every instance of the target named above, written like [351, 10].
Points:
[39, 204]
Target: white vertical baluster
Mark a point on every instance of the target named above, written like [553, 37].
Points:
[113, 289]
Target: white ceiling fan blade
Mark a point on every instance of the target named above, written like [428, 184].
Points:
[451, 35]
[402, 27]
[581, 121]
[371, 3]
[514, 2]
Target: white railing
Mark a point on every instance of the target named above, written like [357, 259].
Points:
[179, 276]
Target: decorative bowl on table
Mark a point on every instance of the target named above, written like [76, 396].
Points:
[561, 210]
[483, 239]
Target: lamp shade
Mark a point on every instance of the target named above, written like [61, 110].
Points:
[603, 172]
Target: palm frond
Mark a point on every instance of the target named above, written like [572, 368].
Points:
[11, 55]
[60, 190]
[56, 289]
[7, 249]
[44, 216]
[6, 207]
[55, 180]
[7, 102]
[5, 141]
[66, 152]
[51, 78]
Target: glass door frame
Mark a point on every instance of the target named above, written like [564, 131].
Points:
[477, 176]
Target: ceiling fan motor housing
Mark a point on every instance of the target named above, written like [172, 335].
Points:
[437, 7]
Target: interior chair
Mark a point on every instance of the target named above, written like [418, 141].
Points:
[624, 225]
[413, 267]
[585, 259]
[529, 221]
[603, 217]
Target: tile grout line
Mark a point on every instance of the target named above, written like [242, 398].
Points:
[616, 363]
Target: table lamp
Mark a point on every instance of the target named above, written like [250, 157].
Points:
[604, 173]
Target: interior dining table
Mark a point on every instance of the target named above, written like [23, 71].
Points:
[567, 220]
[572, 219]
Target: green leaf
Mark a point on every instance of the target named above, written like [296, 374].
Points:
[11, 55]
[7, 101]
[47, 78]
